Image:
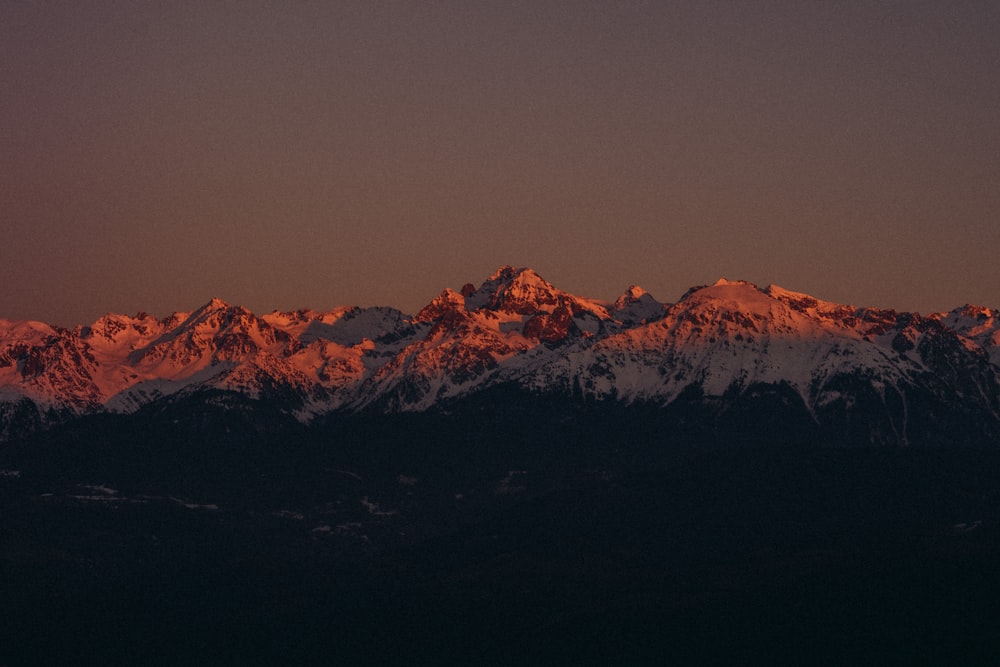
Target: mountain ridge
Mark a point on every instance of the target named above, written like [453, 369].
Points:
[720, 341]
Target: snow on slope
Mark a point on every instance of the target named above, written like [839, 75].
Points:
[732, 335]
[977, 323]
[514, 327]
[637, 306]
[503, 330]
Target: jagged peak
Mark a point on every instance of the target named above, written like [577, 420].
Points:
[216, 304]
[141, 316]
[507, 276]
[218, 313]
[219, 306]
[637, 306]
[630, 296]
[113, 325]
[725, 282]
[508, 284]
[973, 310]
[635, 291]
[525, 292]
[528, 276]
[505, 272]
[447, 301]
[301, 313]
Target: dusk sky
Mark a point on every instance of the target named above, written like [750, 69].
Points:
[314, 154]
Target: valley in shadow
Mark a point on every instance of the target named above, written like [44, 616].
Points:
[518, 534]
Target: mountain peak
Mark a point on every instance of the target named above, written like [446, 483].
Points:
[524, 275]
[725, 289]
[446, 302]
[631, 295]
[523, 291]
[215, 305]
[513, 290]
[527, 274]
[725, 282]
[637, 306]
[974, 311]
[505, 272]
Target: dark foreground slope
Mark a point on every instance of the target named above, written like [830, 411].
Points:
[216, 533]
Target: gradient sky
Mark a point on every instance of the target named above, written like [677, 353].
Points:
[313, 154]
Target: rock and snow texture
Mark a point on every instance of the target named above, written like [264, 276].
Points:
[732, 335]
[979, 324]
[514, 328]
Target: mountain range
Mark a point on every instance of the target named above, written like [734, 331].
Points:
[513, 475]
[723, 354]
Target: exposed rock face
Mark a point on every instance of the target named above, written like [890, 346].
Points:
[446, 303]
[552, 327]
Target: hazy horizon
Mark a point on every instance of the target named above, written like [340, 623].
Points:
[353, 153]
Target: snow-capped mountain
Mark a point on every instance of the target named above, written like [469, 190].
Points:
[977, 323]
[734, 340]
[885, 375]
